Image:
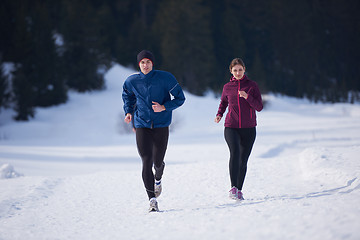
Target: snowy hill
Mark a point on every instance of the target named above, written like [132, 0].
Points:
[73, 172]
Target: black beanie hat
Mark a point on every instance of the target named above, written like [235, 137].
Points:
[145, 54]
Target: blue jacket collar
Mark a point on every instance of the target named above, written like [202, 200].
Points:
[150, 74]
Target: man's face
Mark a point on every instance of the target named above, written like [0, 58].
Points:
[145, 65]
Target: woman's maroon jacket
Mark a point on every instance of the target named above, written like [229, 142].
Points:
[241, 112]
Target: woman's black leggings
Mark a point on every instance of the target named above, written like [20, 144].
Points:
[151, 145]
[240, 142]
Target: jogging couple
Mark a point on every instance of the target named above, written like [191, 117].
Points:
[151, 95]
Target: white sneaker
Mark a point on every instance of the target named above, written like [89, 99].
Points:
[153, 205]
[158, 188]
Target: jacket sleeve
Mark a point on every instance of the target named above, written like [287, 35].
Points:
[178, 95]
[254, 98]
[223, 104]
[129, 98]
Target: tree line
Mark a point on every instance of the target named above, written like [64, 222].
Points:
[297, 48]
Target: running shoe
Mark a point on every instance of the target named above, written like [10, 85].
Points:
[239, 195]
[153, 205]
[233, 193]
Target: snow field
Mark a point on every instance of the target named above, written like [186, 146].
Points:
[74, 173]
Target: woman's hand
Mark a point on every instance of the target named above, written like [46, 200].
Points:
[157, 107]
[217, 119]
[243, 94]
[128, 118]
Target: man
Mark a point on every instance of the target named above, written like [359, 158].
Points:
[149, 99]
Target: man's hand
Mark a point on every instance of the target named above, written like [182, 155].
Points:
[157, 107]
[128, 118]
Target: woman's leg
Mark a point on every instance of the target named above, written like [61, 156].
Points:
[247, 139]
[232, 139]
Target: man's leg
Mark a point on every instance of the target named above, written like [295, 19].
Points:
[144, 142]
[161, 136]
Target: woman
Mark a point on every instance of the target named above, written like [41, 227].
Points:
[148, 103]
[242, 97]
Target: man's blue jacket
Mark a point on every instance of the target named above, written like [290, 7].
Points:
[140, 90]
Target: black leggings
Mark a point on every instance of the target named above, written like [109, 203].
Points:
[240, 142]
[151, 145]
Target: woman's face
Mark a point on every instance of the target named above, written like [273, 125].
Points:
[238, 71]
[145, 65]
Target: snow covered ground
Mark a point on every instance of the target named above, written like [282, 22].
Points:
[73, 172]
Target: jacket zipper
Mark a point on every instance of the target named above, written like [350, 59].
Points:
[239, 105]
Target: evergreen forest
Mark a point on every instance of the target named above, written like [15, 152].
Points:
[307, 48]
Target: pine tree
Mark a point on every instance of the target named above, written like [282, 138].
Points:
[7, 9]
[22, 85]
[83, 51]
[227, 34]
[186, 46]
[24, 94]
[48, 78]
[3, 87]
[258, 74]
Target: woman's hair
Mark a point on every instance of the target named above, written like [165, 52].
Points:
[236, 61]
